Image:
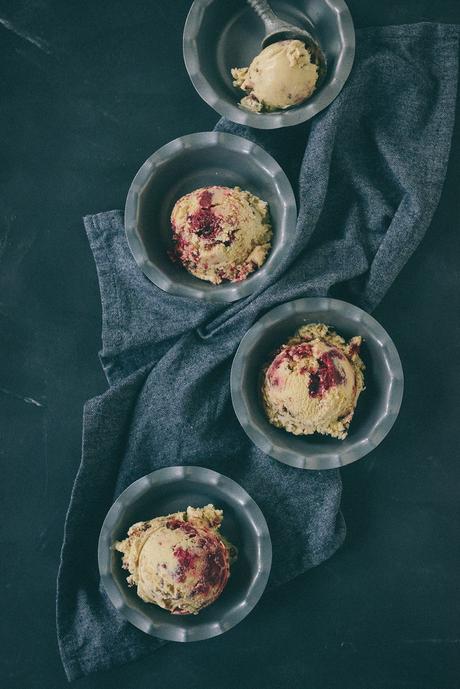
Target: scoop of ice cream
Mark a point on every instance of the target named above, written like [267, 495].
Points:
[221, 233]
[281, 76]
[179, 562]
[313, 383]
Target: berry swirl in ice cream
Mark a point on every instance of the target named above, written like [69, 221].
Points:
[179, 562]
[221, 233]
[313, 383]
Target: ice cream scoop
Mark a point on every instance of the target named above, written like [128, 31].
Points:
[313, 382]
[221, 233]
[281, 76]
[179, 562]
[276, 30]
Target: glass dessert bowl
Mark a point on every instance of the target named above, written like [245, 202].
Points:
[377, 407]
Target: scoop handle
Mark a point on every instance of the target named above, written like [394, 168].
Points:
[265, 12]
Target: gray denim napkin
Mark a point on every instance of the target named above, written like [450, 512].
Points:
[368, 173]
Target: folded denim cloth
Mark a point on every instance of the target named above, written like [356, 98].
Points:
[368, 173]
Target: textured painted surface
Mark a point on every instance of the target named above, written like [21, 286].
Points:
[82, 106]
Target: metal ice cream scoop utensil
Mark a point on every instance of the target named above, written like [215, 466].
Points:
[278, 30]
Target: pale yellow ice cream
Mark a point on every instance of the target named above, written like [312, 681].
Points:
[313, 383]
[179, 562]
[221, 233]
[281, 76]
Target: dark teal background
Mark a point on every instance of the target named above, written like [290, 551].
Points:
[89, 90]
